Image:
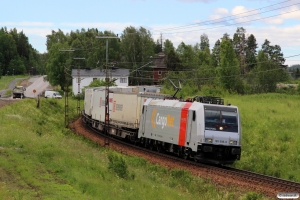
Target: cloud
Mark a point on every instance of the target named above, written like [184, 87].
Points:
[220, 16]
[238, 14]
[244, 15]
[289, 13]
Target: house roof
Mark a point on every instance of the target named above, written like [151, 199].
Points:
[99, 72]
[159, 61]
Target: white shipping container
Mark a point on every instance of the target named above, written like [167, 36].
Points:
[98, 107]
[126, 109]
[88, 103]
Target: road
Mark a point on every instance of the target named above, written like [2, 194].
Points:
[38, 84]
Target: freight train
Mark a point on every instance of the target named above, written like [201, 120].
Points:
[200, 128]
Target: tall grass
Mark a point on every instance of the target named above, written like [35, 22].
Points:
[40, 159]
[271, 134]
[5, 80]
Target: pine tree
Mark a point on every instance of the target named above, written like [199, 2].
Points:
[228, 70]
[251, 52]
[204, 42]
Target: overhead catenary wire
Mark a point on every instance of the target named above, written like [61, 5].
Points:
[207, 78]
[218, 20]
[231, 24]
[213, 68]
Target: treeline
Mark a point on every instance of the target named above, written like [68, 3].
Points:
[130, 50]
[294, 70]
[17, 56]
[235, 64]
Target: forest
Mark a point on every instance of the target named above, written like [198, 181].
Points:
[17, 56]
[235, 64]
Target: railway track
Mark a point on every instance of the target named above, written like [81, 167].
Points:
[223, 175]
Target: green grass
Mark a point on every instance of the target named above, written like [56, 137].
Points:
[5, 80]
[271, 134]
[40, 159]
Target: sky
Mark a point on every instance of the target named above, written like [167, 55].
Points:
[176, 20]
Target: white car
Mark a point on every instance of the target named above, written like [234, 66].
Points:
[52, 94]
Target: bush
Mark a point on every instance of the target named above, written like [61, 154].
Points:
[252, 196]
[118, 165]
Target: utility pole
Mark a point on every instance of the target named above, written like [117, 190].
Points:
[106, 120]
[66, 90]
[78, 80]
[161, 42]
[66, 98]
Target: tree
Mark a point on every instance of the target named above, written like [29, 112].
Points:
[240, 44]
[137, 47]
[187, 55]
[204, 56]
[99, 83]
[56, 65]
[226, 36]
[8, 50]
[297, 73]
[16, 52]
[173, 61]
[204, 42]
[215, 56]
[55, 37]
[273, 52]
[168, 46]
[251, 52]
[157, 47]
[269, 73]
[228, 70]
[17, 66]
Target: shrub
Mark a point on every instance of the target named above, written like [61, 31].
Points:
[252, 196]
[118, 165]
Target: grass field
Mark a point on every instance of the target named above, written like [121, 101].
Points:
[40, 159]
[5, 80]
[271, 134]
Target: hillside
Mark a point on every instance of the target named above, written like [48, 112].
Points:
[40, 159]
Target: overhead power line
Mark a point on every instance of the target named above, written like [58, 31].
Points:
[205, 78]
[231, 16]
[231, 24]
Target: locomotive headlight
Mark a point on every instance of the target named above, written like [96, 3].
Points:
[209, 140]
[233, 142]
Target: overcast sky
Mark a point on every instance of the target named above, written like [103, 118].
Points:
[177, 20]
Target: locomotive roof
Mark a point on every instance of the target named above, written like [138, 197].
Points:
[180, 104]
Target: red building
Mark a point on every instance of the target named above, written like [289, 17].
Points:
[159, 68]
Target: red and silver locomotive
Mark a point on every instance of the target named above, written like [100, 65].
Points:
[202, 128]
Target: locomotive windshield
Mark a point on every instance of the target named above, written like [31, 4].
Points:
[221, 120]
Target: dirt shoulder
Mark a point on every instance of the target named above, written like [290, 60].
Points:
[5, 102]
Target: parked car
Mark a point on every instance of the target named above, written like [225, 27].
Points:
[52, 94]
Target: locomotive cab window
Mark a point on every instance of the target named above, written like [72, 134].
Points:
[219, 120]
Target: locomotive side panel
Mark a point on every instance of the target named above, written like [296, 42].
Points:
[166, 123]
[195, 126]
